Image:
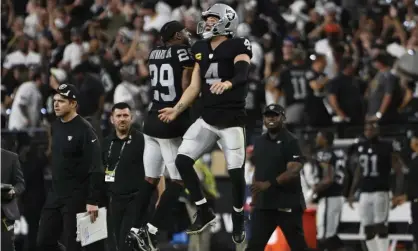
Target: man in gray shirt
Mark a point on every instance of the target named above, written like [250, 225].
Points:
[384, 93]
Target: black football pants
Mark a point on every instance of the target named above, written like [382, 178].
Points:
[58, 222]
[264, 222]
[122, 215]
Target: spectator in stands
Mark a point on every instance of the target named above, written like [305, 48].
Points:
[91, 95]
[132, 92]
[57, 53]
[344, 95]
[254, 105]
[153, 19]
[73, 52]
[315, 109]
[22, 56]
[26, 107]
[3, 107]
[293, 88]
[384, 93]
[329, 45]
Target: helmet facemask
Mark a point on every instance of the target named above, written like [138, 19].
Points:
[221, 28]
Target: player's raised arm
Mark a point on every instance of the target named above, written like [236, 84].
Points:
[169, 114]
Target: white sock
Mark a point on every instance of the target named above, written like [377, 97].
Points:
[238, 210]
[383, 243]
[153, 230]
[372, 245]
[200, 202]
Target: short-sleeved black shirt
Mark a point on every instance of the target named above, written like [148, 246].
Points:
[271, 156]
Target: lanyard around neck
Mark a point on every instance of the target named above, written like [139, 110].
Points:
[109, 153]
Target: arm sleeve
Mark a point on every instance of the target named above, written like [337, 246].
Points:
[18, 179]
[93, 163]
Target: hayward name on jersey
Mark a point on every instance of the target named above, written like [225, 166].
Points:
[227, 109]
[166, 65]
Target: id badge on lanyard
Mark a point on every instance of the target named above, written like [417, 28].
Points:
[109, 176]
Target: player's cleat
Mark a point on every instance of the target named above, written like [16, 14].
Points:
[204, 219]
[238, 232]
[136, 240]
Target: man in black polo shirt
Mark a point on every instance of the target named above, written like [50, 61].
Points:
[276, 190]
[123, 152]
[77, 176]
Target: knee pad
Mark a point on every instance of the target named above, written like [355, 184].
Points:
[382, 230]
[183, 161]
[370, 232]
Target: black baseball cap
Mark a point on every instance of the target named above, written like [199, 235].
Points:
[383, 58]
[274, 108]
[169, 29]
[68, 91]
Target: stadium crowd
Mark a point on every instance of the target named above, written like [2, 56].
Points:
[102, 47]
[328, 62]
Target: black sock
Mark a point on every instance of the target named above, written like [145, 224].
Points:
[142, 202]
[238, 187]
[191, 181]
[168, 199]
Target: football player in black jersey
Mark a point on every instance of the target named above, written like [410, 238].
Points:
[220, 75]
[170, 67]
[329, 173]
[374, 158]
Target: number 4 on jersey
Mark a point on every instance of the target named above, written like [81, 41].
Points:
[247, 43]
